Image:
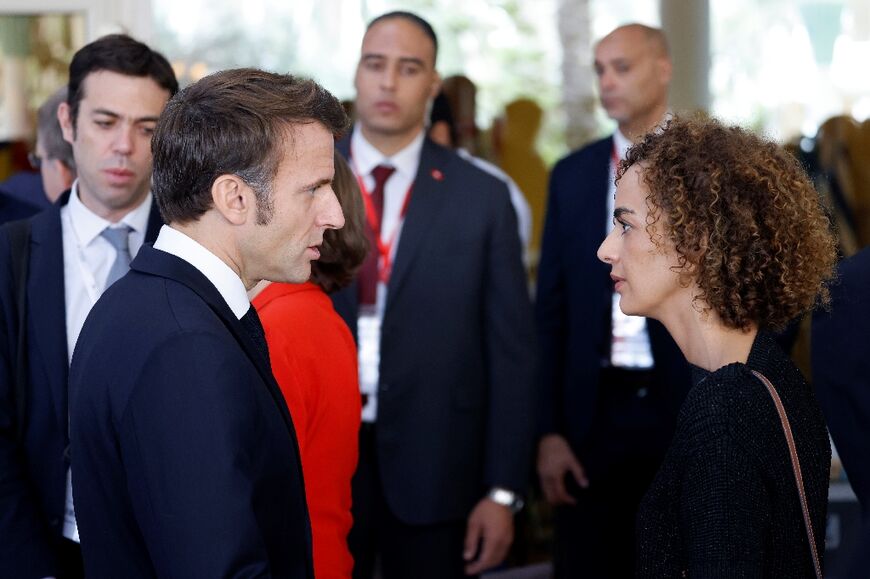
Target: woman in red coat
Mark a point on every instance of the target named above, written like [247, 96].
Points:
[314, 360]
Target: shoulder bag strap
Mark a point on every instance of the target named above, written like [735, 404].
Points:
[796, 467]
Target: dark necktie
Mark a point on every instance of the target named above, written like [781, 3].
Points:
[251, 322]
[119, 237]
[368, 273]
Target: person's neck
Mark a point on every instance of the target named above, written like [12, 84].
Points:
[207, 232]
[110, 214]
[257, 289]
[636, 128]
[705, 341]
[389, 144]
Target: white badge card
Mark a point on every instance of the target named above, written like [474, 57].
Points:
[369, 334]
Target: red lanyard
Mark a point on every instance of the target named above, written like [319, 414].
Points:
[614, 157]
[385, 248]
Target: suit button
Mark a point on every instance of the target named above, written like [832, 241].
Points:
[54, 522]
[642, 392]
[385, 386]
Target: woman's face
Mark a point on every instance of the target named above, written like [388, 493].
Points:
[642, 270]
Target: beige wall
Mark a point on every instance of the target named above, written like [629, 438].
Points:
[102, 16]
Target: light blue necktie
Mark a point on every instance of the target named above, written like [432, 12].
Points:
[119, 237]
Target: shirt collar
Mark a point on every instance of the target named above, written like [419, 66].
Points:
[620, 144]
[225, 280]
[88, 225]
[366, 157]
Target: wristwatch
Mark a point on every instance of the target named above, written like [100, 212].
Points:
[506, 498]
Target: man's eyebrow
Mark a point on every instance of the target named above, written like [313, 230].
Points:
[317, 184]
[114, 115]
[412, 60]
[106, 112]
[402, 59]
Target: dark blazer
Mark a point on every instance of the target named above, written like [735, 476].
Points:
[573, 301]
[841, 376]
[33, 468]
[26, 186]
[184, 456]
[456, 368]
[12, 209]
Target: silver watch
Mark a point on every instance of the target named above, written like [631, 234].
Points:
[506, 498]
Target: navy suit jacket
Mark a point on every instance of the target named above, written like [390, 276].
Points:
[573, 302]
[26, 186]
[457, 346]
[12, 209]
[33, 468]
[184, 457]
[841, 376]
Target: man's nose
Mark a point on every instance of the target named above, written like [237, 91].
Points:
[123, 139]
[331, 215]
[388, 78]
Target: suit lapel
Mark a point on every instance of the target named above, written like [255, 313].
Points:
[155, 262]
[46, 307]
[427, 199]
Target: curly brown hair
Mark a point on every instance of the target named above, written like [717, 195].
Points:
[343, 250]
[744, 218]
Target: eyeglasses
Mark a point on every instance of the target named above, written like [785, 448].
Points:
[35, 160]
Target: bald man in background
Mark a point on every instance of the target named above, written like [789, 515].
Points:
[611, 384]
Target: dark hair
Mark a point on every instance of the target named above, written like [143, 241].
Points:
[421, 23]
[50, 134]
[343, 250]
[121, 54]
[744, 219]
[441, 111]
[231, 122]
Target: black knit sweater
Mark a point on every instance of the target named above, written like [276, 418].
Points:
[725, 503]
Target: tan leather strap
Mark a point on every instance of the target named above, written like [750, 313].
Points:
[796, 467]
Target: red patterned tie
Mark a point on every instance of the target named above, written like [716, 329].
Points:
[368, 273]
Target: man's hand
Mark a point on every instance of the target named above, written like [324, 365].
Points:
[555, 460]
[490, 526]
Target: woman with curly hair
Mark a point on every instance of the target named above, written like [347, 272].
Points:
[720, 236]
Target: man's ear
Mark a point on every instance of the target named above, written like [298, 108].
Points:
[67, 175]
[436, 86]
[64, 117]
[233, 199]
[666, 71]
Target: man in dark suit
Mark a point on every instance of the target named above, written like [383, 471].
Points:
[444, 327]
[54, 159]
[12, 209]
[69, 254]
[25, 186]
[610, 384]
[53, 154]
[841, 376]
[184, 456]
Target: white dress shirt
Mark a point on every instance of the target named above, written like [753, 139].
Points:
[364, 158]
[629, 341]
[518, 199]
[87, 259]
[225, 280]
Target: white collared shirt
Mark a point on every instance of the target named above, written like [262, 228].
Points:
[87, 259]
[225, 280]
[364, 158]
[629, 340]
